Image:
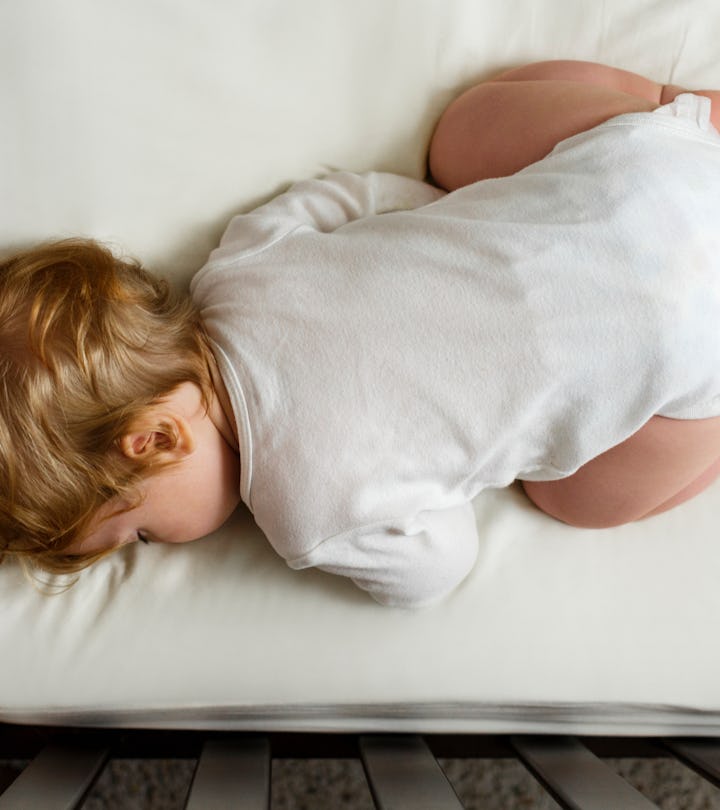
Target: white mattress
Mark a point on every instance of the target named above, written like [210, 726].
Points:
[149, 123]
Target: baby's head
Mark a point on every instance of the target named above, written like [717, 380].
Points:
[88, 344]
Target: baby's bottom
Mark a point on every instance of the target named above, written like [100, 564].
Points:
[667, 462]
[497, 128]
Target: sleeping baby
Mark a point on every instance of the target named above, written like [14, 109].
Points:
[364, 354]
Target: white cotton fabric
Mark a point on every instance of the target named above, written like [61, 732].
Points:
[387, 367]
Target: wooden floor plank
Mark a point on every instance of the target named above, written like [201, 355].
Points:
[404, 775]
[702, 755]
[232, 774]
[57, 779]
[575, 776]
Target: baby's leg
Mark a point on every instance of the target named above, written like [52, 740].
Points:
[665, 463]
[610, 77]
[498, 127]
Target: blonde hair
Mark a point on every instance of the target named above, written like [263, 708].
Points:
[88, 342]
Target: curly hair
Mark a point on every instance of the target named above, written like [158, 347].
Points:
[88, 342]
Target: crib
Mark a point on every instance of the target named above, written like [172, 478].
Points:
[147, 125]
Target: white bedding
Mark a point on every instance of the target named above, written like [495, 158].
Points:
[149, 123]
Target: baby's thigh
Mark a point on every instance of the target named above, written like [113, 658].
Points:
[665, 463]
[499, 127]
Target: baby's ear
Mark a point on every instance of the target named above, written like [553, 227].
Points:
[172, 436]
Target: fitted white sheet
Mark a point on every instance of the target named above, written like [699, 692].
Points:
[149, 123]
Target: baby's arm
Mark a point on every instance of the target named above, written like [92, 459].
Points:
[325, 204]
[409, 564]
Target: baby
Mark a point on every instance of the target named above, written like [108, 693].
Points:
[366, 353]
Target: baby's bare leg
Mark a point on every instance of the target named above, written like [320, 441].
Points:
[498, 127]
[610, 77]
[591, 73]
